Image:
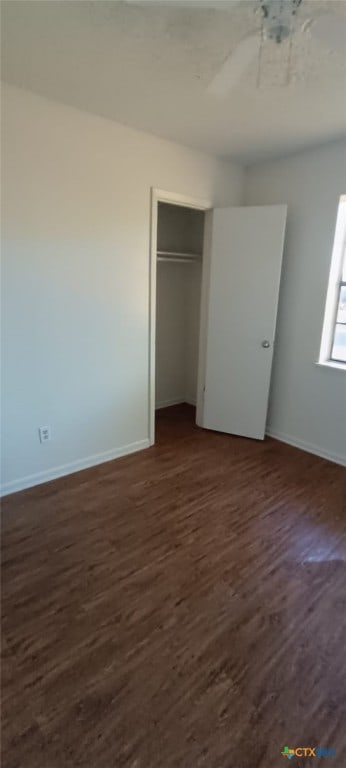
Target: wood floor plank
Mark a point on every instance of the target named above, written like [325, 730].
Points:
[182, 607]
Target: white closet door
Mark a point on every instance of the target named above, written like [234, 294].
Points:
[245, 265]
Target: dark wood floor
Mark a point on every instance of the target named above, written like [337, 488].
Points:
[184, 607]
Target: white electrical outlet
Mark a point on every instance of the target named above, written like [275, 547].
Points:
[44, 434]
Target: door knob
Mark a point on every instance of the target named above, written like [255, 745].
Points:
[265, 344]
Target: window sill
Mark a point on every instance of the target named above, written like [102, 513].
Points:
[332, 364]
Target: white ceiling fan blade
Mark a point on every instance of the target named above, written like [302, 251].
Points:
[235, 66]
[330, 29]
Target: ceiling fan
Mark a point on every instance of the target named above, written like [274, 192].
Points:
[278, 19]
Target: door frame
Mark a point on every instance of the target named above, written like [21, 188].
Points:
[161, 196]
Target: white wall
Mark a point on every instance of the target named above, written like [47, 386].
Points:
[177, 332]
[193, 307]
[76, 204]
[170, 334]
[178, 305]
[308, 402]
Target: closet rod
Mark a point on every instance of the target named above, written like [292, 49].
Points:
[179, 255]
[178, 260]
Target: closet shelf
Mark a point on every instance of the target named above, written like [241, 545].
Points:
[178, 257]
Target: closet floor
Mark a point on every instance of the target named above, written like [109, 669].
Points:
[183, 607]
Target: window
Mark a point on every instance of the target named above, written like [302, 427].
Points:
[333, 345]
[338, 351]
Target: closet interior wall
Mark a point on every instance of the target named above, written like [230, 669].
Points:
[178, 295]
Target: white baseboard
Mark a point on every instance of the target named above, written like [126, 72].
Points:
[100, 458]
[176, 401]
[304, 446]
[167, 403]
[75, 466]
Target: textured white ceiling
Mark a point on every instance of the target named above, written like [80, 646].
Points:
[150, 66]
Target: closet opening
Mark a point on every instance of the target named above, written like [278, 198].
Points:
[178, 259]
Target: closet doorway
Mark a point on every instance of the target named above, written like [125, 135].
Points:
[177, 267]
[214, 290]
